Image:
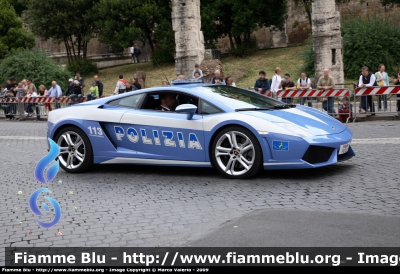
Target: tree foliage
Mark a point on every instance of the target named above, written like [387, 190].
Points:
[24, 64]
[120, 22]
[12, 33]
[238, 19]
[65, 21]
[367, 42]
[370, 42]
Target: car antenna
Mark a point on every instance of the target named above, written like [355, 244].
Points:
[161, 70]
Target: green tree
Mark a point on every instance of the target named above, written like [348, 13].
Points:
[12, 33]
[365, 43]
[120, 22]
[238, 19]
[19, 5]
[65, 21]
[33, 64]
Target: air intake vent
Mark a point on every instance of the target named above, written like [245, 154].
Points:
[316, 154]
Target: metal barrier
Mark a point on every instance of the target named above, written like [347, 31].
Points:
[313, 95]
[367, 102]
[12, 107]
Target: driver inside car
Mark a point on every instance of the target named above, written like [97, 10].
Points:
[168, 102]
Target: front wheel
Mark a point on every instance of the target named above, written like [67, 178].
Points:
[75, 150]
[236, 153]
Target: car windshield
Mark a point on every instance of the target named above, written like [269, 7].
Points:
[238, 98]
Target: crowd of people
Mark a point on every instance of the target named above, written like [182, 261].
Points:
[75, 90]
[325, 82]
[27, 89]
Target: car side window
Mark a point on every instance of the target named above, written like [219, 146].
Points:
[130, 101]
[153, 100]
[207, 108]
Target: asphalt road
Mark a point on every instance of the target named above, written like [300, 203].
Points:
[154, 206]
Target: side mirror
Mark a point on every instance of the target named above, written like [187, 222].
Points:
[189, 109]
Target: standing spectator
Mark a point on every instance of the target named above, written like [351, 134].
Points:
[24, 84]
[197, 69]
[181, 77]
[382, 79]
[43, 92]
[137, 52]
[397, 82]
[287, 84]
[99, 85]
[327, 82]
[81, 80]
[94, 92]
[21, 92]
[31, 86]
[164, 83]
[367, 79]
[135, 84]
[33, 94]
[217, 74]
[14, 84]
[9, 109]
[55, 92]
[304, 83]
[121, 85]
[262, 83]
[76, 98]
[132, 52]
[70, 88]
[129, 87]
[229, 82]
[276, 81]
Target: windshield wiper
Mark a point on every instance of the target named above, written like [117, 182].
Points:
[284, 106]
[251, 109]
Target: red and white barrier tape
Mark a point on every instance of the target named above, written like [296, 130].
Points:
[377, 90]
[40, 100]
[313, 93]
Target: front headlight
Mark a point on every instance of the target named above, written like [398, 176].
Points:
[295, 129]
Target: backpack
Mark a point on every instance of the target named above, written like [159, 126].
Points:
[306, 82]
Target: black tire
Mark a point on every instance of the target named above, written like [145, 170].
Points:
[74, 151]
[239, 161]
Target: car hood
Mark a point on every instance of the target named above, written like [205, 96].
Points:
[314, 121]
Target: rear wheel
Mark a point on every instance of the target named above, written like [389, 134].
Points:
[236, 153]
[75, 150]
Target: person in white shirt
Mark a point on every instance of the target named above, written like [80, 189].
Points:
[382, 79]
[132, 51]
[33, 94]
[276, 81]
[304, 83]
[121, 85]
[367, 79]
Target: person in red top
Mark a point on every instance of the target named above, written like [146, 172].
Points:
[345, 110]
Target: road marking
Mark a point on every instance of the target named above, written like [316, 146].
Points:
[376, 141]
[23, 137]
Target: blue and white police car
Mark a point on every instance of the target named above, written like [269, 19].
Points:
[237, 131]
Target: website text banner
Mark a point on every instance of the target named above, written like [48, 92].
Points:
[201, 256]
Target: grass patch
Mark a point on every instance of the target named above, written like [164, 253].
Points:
[288, 59]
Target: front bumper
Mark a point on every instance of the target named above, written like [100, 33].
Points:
[305, 152]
